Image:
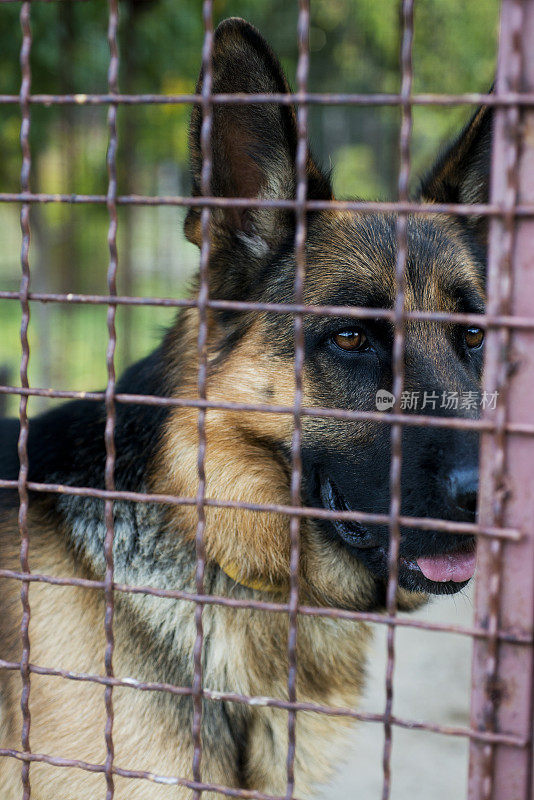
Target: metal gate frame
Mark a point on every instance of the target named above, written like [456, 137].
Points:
[501, 734]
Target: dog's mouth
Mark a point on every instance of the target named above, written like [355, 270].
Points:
[435, 563]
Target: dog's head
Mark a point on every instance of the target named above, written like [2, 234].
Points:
[350, 261]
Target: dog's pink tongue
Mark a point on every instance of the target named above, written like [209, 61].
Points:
[456, 567]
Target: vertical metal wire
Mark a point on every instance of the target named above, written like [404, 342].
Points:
[203, 297]
[398, 377]
[113, 74]
[23, 408]
[303, 66]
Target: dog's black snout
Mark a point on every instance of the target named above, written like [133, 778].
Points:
[463, 487]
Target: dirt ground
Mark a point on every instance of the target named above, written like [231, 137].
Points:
[432, 680]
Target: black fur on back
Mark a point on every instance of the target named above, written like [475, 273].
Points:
[66, 444]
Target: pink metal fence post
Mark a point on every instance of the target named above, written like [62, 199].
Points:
[503, 673]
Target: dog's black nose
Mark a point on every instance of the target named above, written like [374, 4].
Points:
[463, 488]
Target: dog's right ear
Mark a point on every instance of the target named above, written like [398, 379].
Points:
[253, 145]
[462, 173]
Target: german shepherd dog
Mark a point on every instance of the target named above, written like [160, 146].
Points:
[350, 262]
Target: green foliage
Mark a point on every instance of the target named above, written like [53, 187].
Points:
[356, 166]
[354, 48]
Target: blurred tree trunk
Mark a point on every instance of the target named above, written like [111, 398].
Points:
[66, 261]
[5, 380]
[128, 167]
[46, 373]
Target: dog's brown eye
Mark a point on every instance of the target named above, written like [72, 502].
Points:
[473, 337]
[351, 339]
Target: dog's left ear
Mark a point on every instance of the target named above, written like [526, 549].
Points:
[253, 145]
[462, 173]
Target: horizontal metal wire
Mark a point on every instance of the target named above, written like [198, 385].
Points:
[270, 702]
[512, 637]
[409, 420]
[56, 761]
[357, 312]
[360, 206]
[423, 523]
[309, 98]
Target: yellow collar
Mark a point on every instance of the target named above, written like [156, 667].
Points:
[232, 570]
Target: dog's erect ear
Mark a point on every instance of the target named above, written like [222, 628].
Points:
[462, 173]
[253, 145]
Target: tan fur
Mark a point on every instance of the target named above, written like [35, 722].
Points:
[239, 468]
[67, 717]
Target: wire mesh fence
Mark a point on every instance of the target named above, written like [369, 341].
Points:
[500, 733]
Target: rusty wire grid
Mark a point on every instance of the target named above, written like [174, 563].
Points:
[500, 733]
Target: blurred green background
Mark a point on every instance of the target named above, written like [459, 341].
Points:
[354, 48]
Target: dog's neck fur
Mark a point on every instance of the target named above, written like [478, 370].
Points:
[245, 651]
